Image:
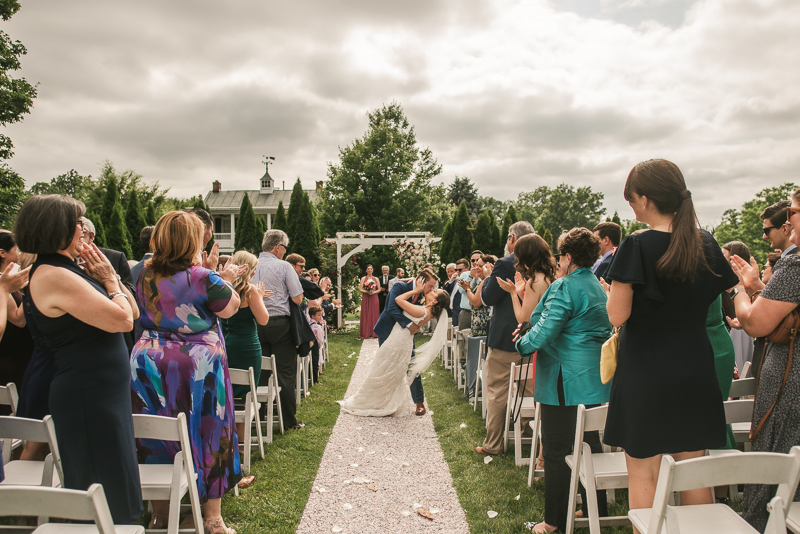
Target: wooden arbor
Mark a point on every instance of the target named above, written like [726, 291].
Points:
[365, 241]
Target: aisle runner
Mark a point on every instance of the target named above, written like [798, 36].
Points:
[377, 471]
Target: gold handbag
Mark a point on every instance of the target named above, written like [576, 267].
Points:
[608, 357]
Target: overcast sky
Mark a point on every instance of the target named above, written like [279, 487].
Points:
[512, 94]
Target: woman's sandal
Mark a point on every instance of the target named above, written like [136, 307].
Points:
[158, 523]
[531, 525]
[216, 526]
[246, 482]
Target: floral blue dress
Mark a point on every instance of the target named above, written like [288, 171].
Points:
[180, 365]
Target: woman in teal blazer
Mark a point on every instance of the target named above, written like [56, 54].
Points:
[568, 329]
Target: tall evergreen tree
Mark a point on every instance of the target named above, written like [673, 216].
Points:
[279, 223]
[110, 197]
[495, 235]
[483, 233]
[508, 220]
[548, 237]
[446, 243]
[99, 229]
[462, 233]
[117, 232]
[247, 233]
[292, 216]
[262, 226]
[150, 216]
[306, 232]
[135, 221]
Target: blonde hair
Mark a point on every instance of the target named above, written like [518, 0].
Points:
[25, 259]
[177, 238]
[242, 283]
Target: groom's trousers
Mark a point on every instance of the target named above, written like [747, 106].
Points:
[417, 394]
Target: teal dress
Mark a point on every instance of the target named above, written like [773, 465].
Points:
[568, 329]
[724, 355]
[241, 343]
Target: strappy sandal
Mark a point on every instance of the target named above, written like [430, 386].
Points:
[158, 523]
[216, 526]
[531, 525]
[246, 482]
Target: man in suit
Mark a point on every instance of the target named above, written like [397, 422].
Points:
[502, 352]
[609, 234]
[393, 314]
[400, 274]
[384, 280]
[120, 264]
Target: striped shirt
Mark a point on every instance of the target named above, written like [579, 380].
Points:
[279, 277]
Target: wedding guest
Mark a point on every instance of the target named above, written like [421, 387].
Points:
[16, 345]
[180, 302]
[760, 343]
[399, 274]
[777, 404]
[479, 320]
[328, 303]
[462, 266]
[81, 314]
[369, 287]
[609, 234]
[276, 337]
[776, 228]
[536, 269]
[662, 284]
[502, 352]
[144, 239]
[567, 330]
[311, 295]
[742, 341]
[318, 327]
[766, 272]
[315, 276]
[211, 260]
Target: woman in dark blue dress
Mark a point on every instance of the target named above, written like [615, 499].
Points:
[81, 314]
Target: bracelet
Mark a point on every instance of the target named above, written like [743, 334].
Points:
[116, 294]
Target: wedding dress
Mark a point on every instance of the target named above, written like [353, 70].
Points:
[385, 391]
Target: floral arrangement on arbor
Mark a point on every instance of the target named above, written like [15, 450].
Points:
[414, 255]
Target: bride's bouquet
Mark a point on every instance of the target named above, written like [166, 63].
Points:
[371, 285]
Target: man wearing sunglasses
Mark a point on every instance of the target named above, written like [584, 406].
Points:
[776, 228]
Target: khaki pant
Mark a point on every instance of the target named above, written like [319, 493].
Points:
[498, 372]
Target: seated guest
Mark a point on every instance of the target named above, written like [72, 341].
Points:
[180, 301]
[81, 314]
[777, 402]
[609, 234]
[567, 330]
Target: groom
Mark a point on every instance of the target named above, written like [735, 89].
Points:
[393, 314]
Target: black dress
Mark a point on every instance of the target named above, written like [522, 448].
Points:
[665, 397]
[90, 401]
[34, 392]
[16, 348]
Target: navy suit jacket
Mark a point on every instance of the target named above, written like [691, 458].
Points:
[602, 269]
[392, 313]
[504, 321]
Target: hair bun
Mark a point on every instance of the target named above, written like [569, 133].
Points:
[686, 194]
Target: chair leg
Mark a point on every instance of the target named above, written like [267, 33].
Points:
[298, 382]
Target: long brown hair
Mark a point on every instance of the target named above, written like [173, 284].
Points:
[242, 282]
[533, 255]
[177, 238]
[662, 182]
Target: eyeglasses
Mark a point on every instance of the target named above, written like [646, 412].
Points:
[791, 210]
[460, 270]
[768, 230]
[315, 275]
[474, 261]
[301, 265]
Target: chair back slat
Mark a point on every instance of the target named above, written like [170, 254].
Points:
[24, 429]
[267, 363]
[739, 411]
[9, 396]
[595, 419]
[240, 377]
[156, 427]
[743, 387]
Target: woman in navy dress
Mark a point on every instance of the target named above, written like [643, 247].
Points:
[81, 313]
[665, 398]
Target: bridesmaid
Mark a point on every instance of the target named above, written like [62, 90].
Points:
[370, 307]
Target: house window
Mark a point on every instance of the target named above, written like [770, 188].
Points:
[222, 225]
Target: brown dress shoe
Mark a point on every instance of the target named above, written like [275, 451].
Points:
[421, 409]
[481, 450]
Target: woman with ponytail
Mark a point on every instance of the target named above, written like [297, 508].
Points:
[665, 398]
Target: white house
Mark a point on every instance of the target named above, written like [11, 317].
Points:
[224, 207]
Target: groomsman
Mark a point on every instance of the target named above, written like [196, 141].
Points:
[384, 280]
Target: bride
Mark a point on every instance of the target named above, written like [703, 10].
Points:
[385, 390]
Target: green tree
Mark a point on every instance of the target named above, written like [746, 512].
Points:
[495, 235]
[117, 232]
[484, 238]
[509, 219]
[12, 195]
[262, 228]
[135, 221]
[279, 223]
[463, 190]
[99, 229]
[548, 237]
[745, 223]
[383, 181]
[247, 229]
[462, 234]
[307, 238]
[446, 243]
[111, 197]
[561, 208]
[293, 214]
[150, 216]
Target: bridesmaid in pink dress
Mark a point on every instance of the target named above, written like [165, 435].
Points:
[370, 311]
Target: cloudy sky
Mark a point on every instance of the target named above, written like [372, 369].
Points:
[512, 94]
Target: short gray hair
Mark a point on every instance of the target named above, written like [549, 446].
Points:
[89, 225]
[273, 238]
[520, 228]
[453, 265]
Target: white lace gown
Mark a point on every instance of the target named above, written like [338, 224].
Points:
[385, 391]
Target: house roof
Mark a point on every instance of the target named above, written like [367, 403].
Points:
[231, 201]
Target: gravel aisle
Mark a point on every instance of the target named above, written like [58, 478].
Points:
[377, 471]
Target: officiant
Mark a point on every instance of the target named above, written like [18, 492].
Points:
[384, 280]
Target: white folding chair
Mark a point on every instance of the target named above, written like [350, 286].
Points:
[30, 473]
[77, 505]
[743, 387]
[793, 519]
[738, 414]
[536, 427]
[248, 416]
[10, 398]
[596, 471]
[480, 384]
[709, 471]
[745, 372]
[526, 406]
[301, 378]
[269, 396]
[165, 482]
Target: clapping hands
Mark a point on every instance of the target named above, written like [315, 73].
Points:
[262, 292]
[747, 272]
[230, 271]
[11, 282]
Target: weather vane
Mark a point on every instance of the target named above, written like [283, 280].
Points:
[269, 159]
